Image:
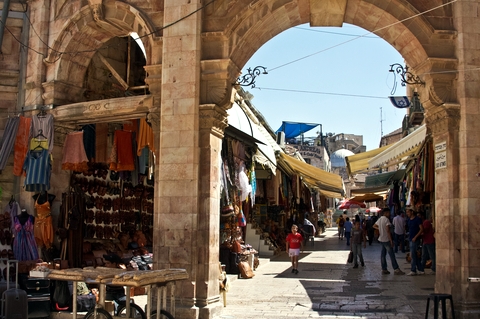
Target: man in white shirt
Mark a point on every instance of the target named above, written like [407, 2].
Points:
[399, 232]
[385, 238]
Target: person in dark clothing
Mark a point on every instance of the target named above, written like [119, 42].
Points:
[370, 230]
[115, 293]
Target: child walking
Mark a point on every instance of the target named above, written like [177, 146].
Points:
[358, 237]
[294, 241]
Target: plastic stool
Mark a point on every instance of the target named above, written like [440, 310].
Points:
[436, 299]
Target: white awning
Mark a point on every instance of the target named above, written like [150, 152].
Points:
[400, 150]
[265, 153]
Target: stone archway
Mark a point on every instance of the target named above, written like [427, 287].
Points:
[431, 48]
[81, 38]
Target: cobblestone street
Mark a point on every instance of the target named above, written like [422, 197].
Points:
[327, 287]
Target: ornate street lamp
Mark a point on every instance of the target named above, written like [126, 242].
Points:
[406, 76]
[249, 78]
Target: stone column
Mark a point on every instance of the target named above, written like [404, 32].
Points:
[213, 120]
[177, 177]
[39, 11]
[457, 197]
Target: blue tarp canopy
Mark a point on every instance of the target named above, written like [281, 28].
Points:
[294, 129]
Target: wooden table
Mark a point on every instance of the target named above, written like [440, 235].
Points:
[163, 279]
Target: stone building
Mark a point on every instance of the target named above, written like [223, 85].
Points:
[83, 68]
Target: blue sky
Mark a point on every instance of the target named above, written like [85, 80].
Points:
[358, 67]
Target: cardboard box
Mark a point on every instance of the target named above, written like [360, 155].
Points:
[39, 274]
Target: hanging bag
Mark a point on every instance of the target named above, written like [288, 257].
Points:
[350, 257]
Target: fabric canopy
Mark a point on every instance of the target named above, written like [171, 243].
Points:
[358, 163]
[294, 129]
[384, 179]
[369, 197]
[405, 147]
[314, 176]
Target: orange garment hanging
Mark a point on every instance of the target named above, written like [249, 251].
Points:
[43, 230]
[121, 158]
[21, 144]
[145, 137]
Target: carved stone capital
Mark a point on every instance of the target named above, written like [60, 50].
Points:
[153, 118]
[440, 77]
[154, 78]
[214, 118]
[217, 77]
[443, 119]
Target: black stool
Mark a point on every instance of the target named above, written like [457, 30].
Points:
[436, 299]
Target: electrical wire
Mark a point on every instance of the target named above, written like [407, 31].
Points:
[335, 33]
[361, 36]
[324, 93]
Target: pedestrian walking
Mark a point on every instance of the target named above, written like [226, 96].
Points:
[415, 230]
[358, 238]
[383, 226]
[399, 232]
[348, 229]
[428, 247]
[340, 223]
[294, 242]
[370, 230]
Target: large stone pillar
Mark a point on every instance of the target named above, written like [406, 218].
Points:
[457, 197]
[177, 195]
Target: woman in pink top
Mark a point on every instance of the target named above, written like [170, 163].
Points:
[294, 242]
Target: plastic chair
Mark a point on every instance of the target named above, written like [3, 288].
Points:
[437, 298]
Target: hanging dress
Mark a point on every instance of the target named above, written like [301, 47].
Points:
[43, 224]
[24, 245]
[74, 156]
[121, 157]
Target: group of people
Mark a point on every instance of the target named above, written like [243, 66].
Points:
[391, 235]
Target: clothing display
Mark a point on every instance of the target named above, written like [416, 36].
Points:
[145, 137]
[121, 157]
[89, 139]
[24, 245]
[74, 156]
[43, 224]
[8, 138]
[21, 144]
[42, 128]
[39, 169]
[38, 144]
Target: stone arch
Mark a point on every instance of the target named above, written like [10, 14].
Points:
[426, 42]
[86, 32]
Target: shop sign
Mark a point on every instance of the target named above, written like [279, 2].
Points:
[441, 155]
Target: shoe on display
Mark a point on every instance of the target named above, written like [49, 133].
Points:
[412, 273]
[399, 272]
[385, 272]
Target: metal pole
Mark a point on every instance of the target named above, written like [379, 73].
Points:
[5, 10]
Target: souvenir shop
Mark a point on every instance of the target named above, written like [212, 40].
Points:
[251, 194]
[104, 174]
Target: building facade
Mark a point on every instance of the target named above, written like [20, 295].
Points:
[194, 51]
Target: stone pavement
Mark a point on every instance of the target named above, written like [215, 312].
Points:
[327, 287]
